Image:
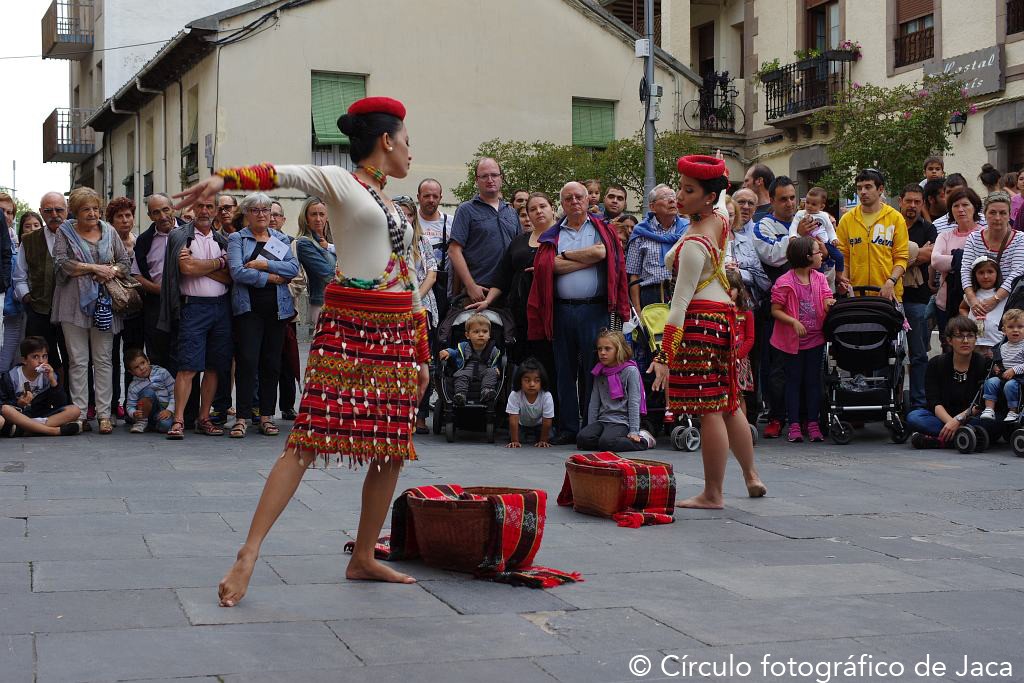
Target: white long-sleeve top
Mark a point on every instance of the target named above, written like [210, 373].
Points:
[1011, 263]
[359, 227]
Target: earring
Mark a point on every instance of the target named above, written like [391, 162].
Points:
[390, 148]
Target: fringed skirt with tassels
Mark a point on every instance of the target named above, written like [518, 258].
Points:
[359, 399]
[702, 377]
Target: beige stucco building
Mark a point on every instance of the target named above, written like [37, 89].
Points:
[219, 94]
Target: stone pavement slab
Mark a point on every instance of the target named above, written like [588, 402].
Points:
[189, 651]
[356, 601]
[447, 639]
[871, 548]
[89, 611]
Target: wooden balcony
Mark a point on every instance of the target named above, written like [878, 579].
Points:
[65, 138]
[67, 29]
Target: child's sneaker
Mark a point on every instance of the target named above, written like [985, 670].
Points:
[487, 395]
[919, 440]
[988, 414]
[814, 432]
[648, 438]
[460, 400]
[774, 429]
[795, 435]
[138, 427]
[1011, 416]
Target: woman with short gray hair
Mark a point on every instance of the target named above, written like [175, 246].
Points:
[262, 305]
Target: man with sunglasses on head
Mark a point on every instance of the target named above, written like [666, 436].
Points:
[34, 277]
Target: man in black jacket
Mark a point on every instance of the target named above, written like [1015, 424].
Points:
[148, 269]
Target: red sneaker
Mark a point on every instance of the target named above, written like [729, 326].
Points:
[773, 430]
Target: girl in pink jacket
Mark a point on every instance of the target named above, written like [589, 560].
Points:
[800, 300]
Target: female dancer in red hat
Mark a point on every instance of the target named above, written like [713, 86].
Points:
[368, 363]
[697, 358]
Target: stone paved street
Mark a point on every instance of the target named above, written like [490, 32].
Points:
[112, 548]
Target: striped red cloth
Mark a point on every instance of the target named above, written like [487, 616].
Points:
[647, 494]
[515, 536]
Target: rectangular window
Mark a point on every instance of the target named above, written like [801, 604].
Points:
[1014, 16]
[332, 95]
[915, 40]
[332, 155]
[593, 123]
[823, 25]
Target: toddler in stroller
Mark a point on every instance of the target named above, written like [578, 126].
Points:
[471, 372]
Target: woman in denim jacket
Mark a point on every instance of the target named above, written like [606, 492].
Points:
[262, 305]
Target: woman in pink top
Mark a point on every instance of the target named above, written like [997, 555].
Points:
[964, 210]
[800, 300]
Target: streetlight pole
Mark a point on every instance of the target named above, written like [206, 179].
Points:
[650, 115]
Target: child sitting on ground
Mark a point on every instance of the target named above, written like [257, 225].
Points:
[616, 402]
[530, 407]
[33, 400]
[824, 231]
[477, 357]
[150, 395]
[1007, 367]
[986, 279]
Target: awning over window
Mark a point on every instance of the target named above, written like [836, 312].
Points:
[332, 95]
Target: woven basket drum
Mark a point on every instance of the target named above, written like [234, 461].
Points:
[453, 534]
[598, 490]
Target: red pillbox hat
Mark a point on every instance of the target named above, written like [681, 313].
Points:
[701, 166]
[378, 105]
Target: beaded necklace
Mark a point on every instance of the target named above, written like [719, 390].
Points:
[375, 173]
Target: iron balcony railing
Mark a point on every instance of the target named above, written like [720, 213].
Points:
[65, 137]
[67, 29]
[715, 108]
[806, 85]
[915, 47]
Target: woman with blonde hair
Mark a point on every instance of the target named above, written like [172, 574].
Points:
[315, 251]
[87, 252]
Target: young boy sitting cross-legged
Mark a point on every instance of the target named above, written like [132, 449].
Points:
[32, 399]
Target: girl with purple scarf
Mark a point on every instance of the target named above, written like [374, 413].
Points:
[616, 402]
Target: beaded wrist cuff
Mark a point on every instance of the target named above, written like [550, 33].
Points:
[259, 177]
[422, 338]
[670, 341]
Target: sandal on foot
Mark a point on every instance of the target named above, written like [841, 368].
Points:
[238, 429]
[105, 425]
[177, 431]
[268, 428]
[208, 428]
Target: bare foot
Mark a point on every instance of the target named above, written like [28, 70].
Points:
[234, 584]
[374, 571]
[701, 502]
[756, 488]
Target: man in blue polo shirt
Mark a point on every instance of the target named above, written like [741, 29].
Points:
[481, 231]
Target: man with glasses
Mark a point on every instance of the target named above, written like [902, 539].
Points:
[227, 207]
[34, 277]
[579, 281]
[482, 229]
[148, 269]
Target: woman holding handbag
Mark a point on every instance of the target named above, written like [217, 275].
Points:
[87, 254]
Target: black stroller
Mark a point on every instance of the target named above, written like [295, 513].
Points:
[475, 415]
[863, 373]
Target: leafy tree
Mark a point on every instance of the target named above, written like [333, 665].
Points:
[546, 167]
[891, 129]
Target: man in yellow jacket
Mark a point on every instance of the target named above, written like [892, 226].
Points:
[873, 240]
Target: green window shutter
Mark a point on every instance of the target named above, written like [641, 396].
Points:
[593, 123]
[332, 95]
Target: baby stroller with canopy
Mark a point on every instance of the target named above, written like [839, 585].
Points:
[863, 373]
[475, 415]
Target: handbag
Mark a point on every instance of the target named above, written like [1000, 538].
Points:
[102, 314]
[125, 299]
